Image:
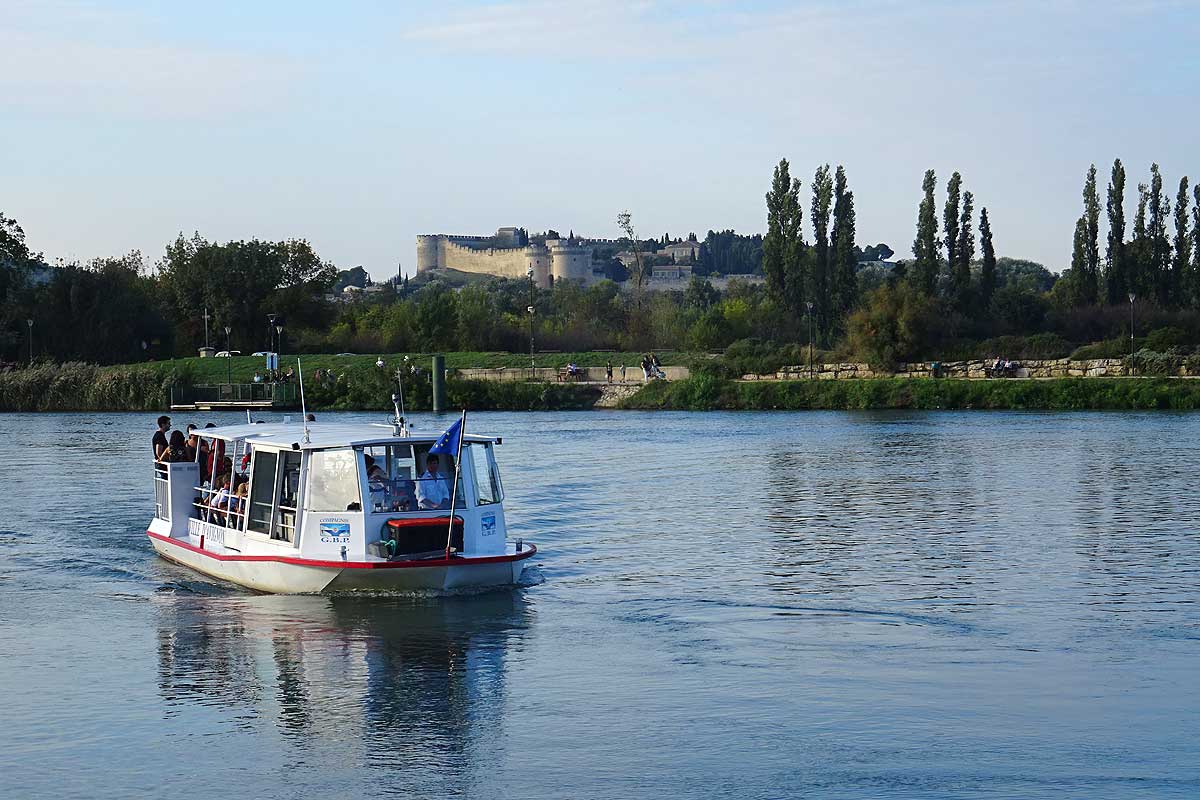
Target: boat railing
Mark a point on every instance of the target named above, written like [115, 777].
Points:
[162, 493]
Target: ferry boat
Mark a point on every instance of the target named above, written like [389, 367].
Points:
[328, 508]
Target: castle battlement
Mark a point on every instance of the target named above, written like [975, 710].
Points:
[557, 259]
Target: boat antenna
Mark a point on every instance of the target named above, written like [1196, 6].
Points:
[399, 427]
[303, 408]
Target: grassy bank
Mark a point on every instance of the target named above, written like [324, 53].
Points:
[706, 392]
[242, 368]
[87, 387]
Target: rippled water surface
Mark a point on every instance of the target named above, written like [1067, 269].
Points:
[724, 605]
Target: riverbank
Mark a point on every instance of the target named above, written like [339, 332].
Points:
[146, 387]
[705, 392]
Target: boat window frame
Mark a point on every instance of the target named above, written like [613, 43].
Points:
[280, 455]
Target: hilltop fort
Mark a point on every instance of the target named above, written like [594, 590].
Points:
[512, 253]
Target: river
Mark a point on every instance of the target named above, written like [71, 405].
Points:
[743, 605]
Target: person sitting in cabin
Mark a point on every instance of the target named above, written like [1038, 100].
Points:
[432, 491]
[159, 443]
[375, 473]
[176, 452]
[240, 493]
[218, 504]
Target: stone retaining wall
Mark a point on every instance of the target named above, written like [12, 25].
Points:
[1052, 368]
[633, 374]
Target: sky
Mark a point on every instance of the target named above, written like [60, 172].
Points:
[358, 125]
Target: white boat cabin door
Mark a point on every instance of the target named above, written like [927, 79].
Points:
[274, 493]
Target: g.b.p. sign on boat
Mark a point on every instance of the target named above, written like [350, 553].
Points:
[320, 507]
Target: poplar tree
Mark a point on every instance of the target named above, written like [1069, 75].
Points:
[1078, 263]
[1182, 262]
[1090, 283]
[950, 223]
[822, 202]
[966, 251]
[1160, 248]
[1194, 283]
[783, 246]
[784, 191]
[925, 249]
[1138, 266]
[1116, 278]
[844, 259]
[987, 269]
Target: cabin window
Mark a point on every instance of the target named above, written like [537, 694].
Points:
[390, 471]
[333, 480]
[262, 491]
[487, 480]
[289, 487]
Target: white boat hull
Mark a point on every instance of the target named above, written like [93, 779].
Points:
[289, 575]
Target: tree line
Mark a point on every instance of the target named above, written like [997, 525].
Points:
[1159, 263]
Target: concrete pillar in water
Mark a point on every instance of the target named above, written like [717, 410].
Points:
[439, 384]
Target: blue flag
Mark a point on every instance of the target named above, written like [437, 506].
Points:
[449, 442]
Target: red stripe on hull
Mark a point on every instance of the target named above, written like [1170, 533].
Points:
[310, 562]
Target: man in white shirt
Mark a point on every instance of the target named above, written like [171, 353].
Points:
[432, 491]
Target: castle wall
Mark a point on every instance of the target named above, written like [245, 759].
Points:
[511, 263]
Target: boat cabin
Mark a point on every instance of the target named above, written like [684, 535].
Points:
[346, 492]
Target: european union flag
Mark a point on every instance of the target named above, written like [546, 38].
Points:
[449, 442]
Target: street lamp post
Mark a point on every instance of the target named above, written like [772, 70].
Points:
[206, 328]
[1132, 297]
[809, 306]
[229, 352]
[29, 322]
[271, 332]
[279, 340]
[532, 363]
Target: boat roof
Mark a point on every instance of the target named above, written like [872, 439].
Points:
[323, 435]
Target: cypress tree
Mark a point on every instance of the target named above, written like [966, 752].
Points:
[844, 258]
[822, 202]
[1182, 262]
[966, 251]
[1090, 285]
[925, 250]
[950, 224]
[987, 269]
[1116, 278]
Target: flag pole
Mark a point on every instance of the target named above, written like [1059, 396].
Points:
[462, 431]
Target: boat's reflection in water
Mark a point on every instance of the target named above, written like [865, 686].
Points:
[398, 683]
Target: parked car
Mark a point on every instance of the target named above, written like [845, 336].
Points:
[261, 353]
[228, 353]
[347, 354]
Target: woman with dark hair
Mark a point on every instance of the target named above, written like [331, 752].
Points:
[176, 451]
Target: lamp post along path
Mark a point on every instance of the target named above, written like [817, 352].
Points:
[1132, 297]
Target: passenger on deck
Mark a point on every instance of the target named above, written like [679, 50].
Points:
[432, 491]
[159, 443]
[176, 452]
[218, 452]
[193, 441]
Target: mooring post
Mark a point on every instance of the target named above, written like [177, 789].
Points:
[439, 383]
